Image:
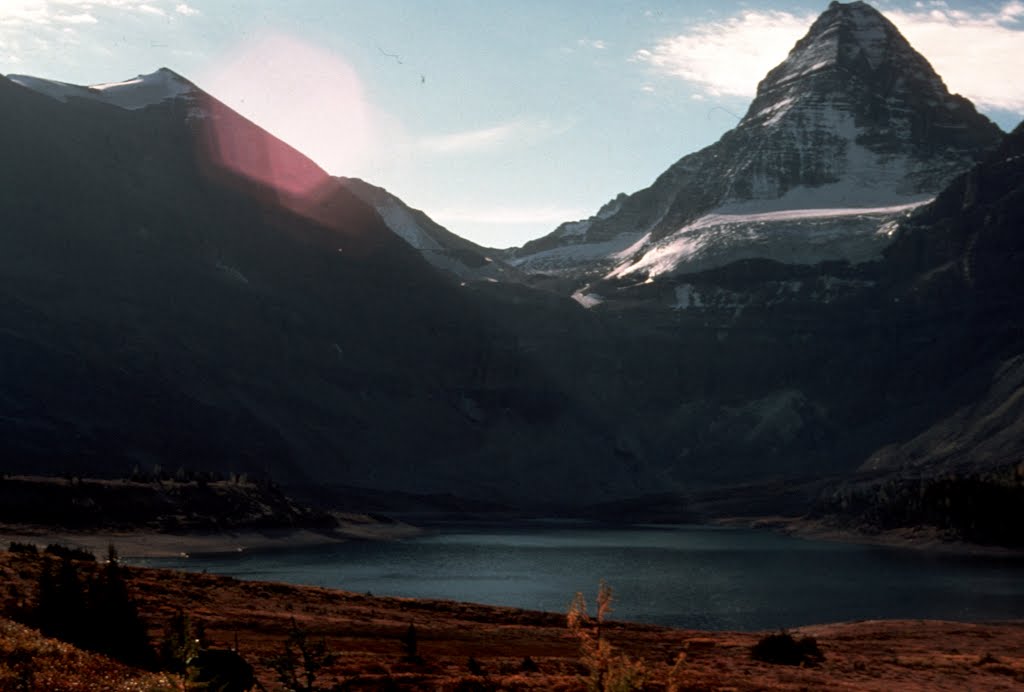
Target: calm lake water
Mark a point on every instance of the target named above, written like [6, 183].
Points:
[701, 577]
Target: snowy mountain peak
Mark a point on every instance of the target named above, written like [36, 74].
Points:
[853, 119]
[851, 36]
[853, 116]
[131, 94]
[853, 43]
[146, 90]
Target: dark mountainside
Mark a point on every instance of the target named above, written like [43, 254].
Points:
[957, 270]
[160, 308]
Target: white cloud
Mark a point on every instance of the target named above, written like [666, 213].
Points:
[597, 43]
[517, 132]
[978, 53]
[20, 12]
[40, 32]
[471, 140]
[43, 12]
[728, 57]
[81, 18]
[1012, 12]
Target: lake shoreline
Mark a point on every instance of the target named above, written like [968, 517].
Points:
[150, 544]
[524, 649]
[922, 539]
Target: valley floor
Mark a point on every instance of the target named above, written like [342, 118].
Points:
[366, 634]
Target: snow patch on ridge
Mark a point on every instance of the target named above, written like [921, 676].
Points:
[402, 223]
[59, 91]
[133, 94]
[568, 258]
[144, 90]
[587, 300]
[575, 228]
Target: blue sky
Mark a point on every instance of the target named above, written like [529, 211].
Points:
[499, 119]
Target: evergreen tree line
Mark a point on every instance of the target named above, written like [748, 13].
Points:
[93, 612]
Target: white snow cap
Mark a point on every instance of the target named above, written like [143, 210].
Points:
[133, 94]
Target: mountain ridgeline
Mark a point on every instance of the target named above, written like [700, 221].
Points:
[826, 298]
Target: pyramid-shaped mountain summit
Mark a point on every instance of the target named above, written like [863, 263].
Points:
[855, 115]
[853, 118]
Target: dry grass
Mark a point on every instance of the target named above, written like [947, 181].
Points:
[30, 662]
[365, 632]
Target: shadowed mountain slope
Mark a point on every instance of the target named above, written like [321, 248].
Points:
[183, 289]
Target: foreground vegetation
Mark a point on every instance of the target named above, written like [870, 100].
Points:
[206, 632]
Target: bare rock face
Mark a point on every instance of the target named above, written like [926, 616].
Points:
[855, 114]
[853, 119]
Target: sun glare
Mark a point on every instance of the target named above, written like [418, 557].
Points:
[308, 97]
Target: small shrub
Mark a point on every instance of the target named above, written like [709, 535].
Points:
[182, 641]
[784, 649]
[300, 661]
[676, 675]
[607, 672]
[528, 665]
[29, 548]
[223, 670]
[410, 645]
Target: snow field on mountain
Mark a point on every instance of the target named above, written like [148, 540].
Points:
[144, 90]
[567, 256]
[401, 222]
[132, 94]
[791, 236]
